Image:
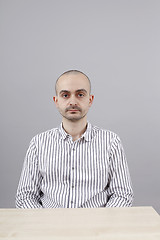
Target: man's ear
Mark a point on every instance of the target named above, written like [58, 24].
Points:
[55, 99]
[91, 97]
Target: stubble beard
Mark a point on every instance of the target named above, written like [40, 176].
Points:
[72, 117]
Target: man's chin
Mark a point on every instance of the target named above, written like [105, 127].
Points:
[74, 118]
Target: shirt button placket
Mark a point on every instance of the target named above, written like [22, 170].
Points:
[72, 173]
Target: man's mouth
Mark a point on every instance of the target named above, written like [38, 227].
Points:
[76, 109]
[73, 110]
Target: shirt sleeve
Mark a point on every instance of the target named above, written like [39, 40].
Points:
[28, 192]
[119, 190]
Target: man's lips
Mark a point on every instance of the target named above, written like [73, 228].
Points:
[73, 110]
[76, 109]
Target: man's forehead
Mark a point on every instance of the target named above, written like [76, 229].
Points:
[78, 81]
[73, 79]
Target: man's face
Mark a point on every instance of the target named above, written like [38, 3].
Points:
[73, 98]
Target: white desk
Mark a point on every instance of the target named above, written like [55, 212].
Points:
[137, 223]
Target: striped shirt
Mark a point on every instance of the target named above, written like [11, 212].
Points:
[61, 173]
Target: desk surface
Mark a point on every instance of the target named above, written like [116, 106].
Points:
[137, 223]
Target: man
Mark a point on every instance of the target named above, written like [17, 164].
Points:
[77, 164]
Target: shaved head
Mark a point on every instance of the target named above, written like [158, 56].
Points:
[70, 72]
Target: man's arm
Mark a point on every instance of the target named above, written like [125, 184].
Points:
[119, 189]
[28, 192]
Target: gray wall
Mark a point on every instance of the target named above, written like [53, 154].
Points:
[117, 43]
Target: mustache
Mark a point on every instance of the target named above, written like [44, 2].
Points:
[71, 107]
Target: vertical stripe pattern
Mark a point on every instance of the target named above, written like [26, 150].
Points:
[89, 172]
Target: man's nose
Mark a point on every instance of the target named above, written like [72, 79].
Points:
[73, 101]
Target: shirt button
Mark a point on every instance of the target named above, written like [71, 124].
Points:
[72, 168]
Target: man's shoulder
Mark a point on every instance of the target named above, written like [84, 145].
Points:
[105, 132]
[46, 134]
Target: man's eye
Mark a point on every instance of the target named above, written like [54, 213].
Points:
[80, 95]
[65, 95]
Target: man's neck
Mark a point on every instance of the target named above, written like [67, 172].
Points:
[75, 128]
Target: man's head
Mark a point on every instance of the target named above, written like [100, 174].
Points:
[73, 97]
[70, 72]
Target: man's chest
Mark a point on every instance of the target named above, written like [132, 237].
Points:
[76, 162]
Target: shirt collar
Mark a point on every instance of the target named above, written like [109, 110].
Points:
[87, 135]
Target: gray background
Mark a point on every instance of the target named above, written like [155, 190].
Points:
[117, 43]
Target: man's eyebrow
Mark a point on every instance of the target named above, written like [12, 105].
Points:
[81, 90]
[64, 91]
